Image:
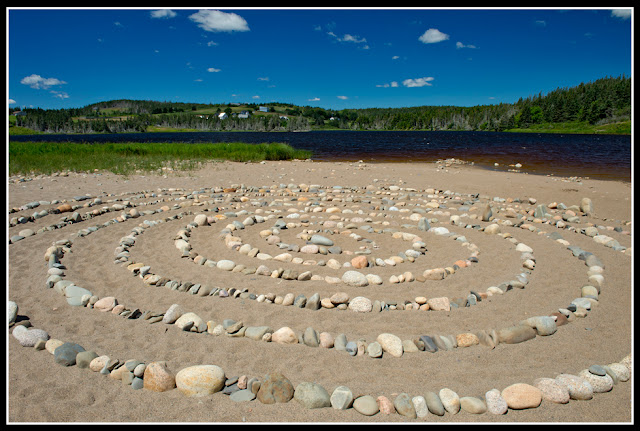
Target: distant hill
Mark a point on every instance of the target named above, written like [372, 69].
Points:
[601, 106]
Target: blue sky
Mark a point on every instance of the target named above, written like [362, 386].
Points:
[331, 58]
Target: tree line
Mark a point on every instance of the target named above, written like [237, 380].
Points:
[606, 100]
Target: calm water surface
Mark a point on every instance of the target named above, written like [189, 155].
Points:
[594, 156]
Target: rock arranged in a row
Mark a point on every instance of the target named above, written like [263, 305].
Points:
[274, 388]
[446, 199]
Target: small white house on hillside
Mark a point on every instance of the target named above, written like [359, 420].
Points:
[222, 116]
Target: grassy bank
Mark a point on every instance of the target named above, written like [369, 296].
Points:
[620, 128]
[126, 158]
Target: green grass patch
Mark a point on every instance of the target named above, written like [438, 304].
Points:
[126, 158]
[620, 128]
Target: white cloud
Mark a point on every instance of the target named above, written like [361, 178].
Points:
[38, 82]
[60, 94]
[163, 13]
[621, 13]
[266, 78]
[255, 97]
[433, 35]
[392, 84]
[214, 20]
[212, 43]
[342, 97]
[11, 101]
[213, 69]
[315, 99]
[349, 38]
[460, 45]
[395, 57]
[418, 82]
[541, 23]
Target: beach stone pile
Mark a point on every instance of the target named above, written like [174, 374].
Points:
[267, 212]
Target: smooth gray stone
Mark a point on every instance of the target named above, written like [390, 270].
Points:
[137, 383]
[434, 404]
[598, 370]
[404, 406]
[321, 240]
[66, 353]
[310, 337]
[340, 342]
[257, 332]
[366, 405]
[341, 398]
[351, 348]
[242, 395]
[312, 395]
[429, 344]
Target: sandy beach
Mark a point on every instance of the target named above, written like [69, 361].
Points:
[383, 196]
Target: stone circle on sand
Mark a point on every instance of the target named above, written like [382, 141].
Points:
[372, 250]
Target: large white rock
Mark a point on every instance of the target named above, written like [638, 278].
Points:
[200, 380]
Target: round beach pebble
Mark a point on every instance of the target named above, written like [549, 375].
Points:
[450, 400]
[391, 344]
[522, 396]
[579, 389]
[366, 405]
[29, 337]
[598, 383]
[200, 380]
[105, 304]
[354, 278]
[284, 335]
[495, 403]
[12, 311]
[552, 391]
[622, 372]
[158, 378]
[360, 304]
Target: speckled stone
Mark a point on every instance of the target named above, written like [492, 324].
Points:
[579, 389]
[552, 391]
[598, 383]
[495, 403]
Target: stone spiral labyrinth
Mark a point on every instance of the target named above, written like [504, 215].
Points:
[376, 302]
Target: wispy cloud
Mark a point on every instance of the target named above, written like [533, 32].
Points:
[433, 35]
[216, 21]
[387, 85]
[59, 94]
[38, 82]
[315, 99]
[621, 13]
[418, 82]
[342, 97]
[213, 69]
[350, 39]
[163, 13]
[461, 45]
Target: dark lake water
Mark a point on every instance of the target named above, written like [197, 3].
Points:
[594, 156]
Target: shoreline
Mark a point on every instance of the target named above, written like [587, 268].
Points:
[608, 324]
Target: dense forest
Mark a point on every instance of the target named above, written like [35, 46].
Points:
[604, 101]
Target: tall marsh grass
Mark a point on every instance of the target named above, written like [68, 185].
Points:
[126, 158]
